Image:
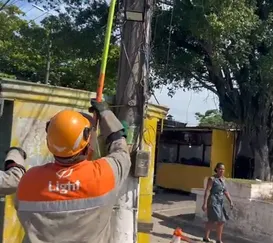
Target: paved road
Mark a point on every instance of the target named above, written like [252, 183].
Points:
[162, 232]
[163, 229]
[173, 210]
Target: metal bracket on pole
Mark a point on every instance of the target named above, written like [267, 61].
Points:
[144, 227]
[132, 103]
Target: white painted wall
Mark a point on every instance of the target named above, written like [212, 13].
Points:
[252, 216]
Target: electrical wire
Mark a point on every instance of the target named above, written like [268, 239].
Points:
[169, 41]
[170, 35]
[4, 5]
[41, 15]
[45, 13]
[29, 10]
[13, 3]
[187, 112]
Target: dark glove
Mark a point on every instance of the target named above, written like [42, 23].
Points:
[124, 132]
[98, 107]
[15, 157]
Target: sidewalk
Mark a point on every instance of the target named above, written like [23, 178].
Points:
[172, 210]
[162, 233]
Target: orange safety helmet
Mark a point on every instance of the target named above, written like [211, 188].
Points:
[68, 133]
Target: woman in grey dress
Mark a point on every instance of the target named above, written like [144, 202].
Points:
[214, 203]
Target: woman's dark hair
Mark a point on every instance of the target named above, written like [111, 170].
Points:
[220, 164]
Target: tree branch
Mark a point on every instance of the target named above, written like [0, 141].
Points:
[204, 84]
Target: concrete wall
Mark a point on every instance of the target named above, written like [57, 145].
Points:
[253, 209]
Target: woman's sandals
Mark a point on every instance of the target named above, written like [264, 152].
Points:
[208, 240]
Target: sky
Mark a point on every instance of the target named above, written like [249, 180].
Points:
[183, 105]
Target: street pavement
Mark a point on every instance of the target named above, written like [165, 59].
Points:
[162, 232]
[171, 210]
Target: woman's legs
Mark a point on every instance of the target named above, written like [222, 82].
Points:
[208, 228]
[219, 231]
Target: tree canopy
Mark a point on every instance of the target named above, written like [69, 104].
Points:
[225, 47]
[212, 118]
[73, 38]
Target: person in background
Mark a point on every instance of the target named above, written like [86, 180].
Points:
[214, 203]
[14, 169]
[71, 200]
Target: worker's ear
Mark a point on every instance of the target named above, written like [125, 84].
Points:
[89, 118]
[86, 133]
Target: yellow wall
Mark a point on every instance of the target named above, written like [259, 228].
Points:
[222, 149]
[180, 177]
[146, 184]
[34, 105]
[28, 131]
[185, 177]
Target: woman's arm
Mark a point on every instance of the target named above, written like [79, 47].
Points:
[207, 191]
[228, 198]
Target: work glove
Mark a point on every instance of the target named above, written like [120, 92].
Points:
[124, 132]
[15, 157]
[110, 127]
[98, 107]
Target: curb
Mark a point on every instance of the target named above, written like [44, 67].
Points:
[198, 225]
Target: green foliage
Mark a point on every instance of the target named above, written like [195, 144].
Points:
[74, 39]
[224, 46]
[212, 118]
[4, 75]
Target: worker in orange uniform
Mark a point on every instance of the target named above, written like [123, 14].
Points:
[71, 200]
[14, 170]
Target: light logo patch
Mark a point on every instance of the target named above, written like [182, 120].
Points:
[64, 188]
[61, 187]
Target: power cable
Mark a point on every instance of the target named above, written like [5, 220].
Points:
[41, 15]
[169, 40]
[187, 112]
[170, 36]
[15, 1]
[29, 10]
[4, 5]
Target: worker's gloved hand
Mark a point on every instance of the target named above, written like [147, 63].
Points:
[110, 126]
[98, 107]
[124, 132]
[15, 157]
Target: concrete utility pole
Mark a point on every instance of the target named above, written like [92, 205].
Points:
[131, 98]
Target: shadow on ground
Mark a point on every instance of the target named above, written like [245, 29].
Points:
[168, 236]
[186, 223]
[162, 235]
[169, 197]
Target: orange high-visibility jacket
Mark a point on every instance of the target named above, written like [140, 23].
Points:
[74, 203]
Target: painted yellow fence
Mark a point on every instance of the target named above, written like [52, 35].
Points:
[33, 105]
[186, 177]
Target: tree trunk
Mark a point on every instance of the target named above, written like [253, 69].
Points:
[244, 146]
[252, 112]
[270, 147]
[261, 155]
